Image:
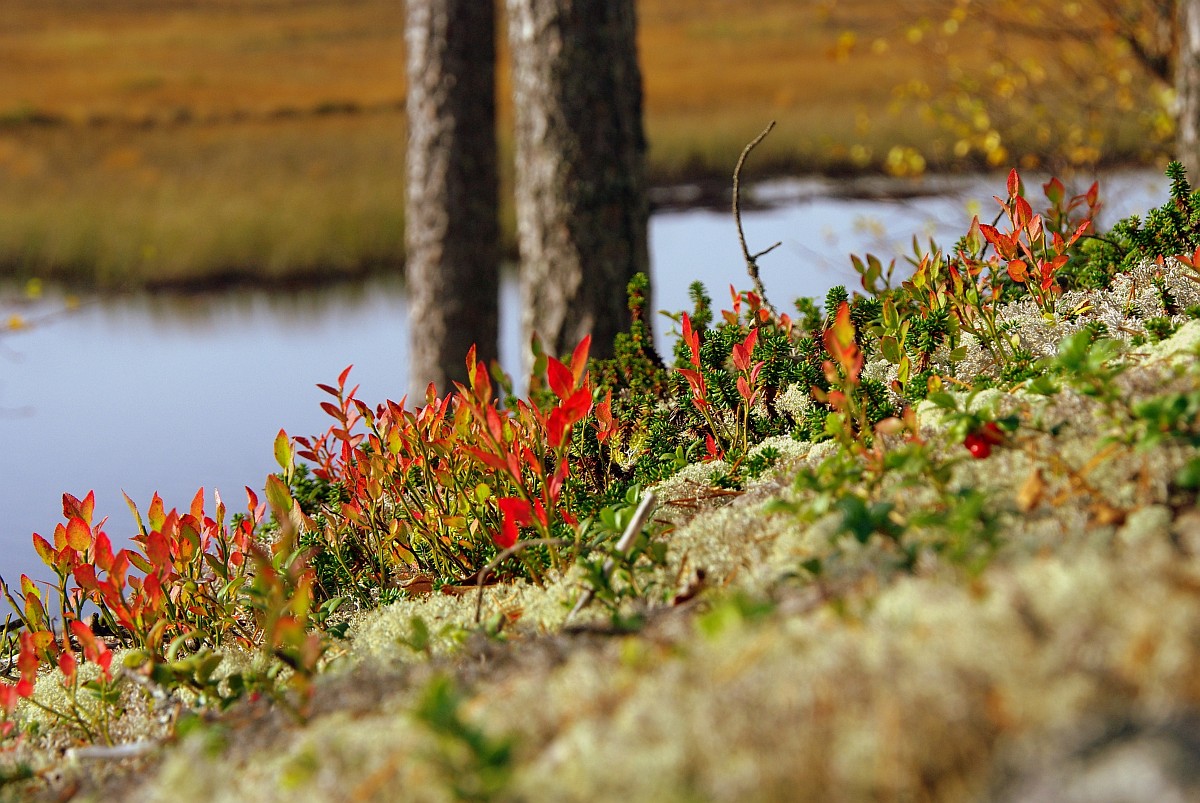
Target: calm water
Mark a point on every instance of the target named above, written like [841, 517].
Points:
[169, 394]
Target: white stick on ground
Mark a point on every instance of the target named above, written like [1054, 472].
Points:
[636, 524]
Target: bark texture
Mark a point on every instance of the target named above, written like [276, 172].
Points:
[1187, 86]
[451, 231]
[580, 188]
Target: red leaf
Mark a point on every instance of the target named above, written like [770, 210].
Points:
[604, 419]
[557, 427]
[742, 352]
[710, 447]
[562, 382]
[84, 635]
[102, 553]
[495, 425]
[692, 338]
[514, 512]
[744, 390]
[8, 699]
[66, 665]
[489, 459]
[1083, 227]
[579, 358]
[85, 576]
[1022, 213]
[157, 550]
[1014, 184]
[343, 376]
[104, 659]
[699, 388]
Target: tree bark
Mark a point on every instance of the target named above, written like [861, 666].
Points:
[1187, 87]
[451, 230]
[580, 189]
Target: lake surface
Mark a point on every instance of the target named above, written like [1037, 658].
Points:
[170, 393]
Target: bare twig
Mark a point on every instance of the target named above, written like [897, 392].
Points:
[503, 556]
[640, 517]
[751, 259]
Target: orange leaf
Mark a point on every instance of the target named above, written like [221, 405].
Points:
[44, 550]
[79, 535]
[579, 358]
[156, 515]
[1018, 271]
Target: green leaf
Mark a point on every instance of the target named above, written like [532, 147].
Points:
[891, 349]
[279, 497]
[944, 400]
[285, 455]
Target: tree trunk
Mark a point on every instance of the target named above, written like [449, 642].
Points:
[1187, 86]
[580, 188]
[452, 232]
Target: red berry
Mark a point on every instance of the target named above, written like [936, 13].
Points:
[978, 445]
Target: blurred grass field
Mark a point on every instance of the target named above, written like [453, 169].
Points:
[194, 142]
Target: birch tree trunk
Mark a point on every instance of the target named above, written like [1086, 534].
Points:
[1187, 87]
[451, 228]
[580, 148]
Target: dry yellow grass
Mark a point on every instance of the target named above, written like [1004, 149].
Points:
[146, 140]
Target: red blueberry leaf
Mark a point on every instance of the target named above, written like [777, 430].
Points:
[66, 665]
[1018, 271]
[197, 507]
[1055, 191]
[692, 338]
[514, 512]
[742, 351]
[44, 550]
[562, 382]
[489, 459]
[579, 358]
[158, 551]
[79, 535]
[8, 699]
[102, 554]
[1079, 232]
[156, 514]
[744, 390]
